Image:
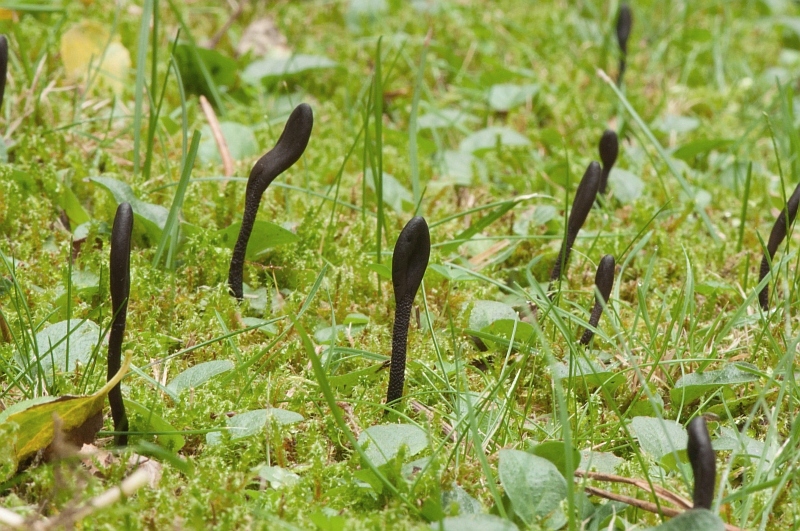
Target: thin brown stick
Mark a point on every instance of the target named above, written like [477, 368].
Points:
[222, 146]
[661, 492]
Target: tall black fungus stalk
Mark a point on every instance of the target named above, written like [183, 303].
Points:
[290, 147]
[604, 280]
[581, 205]
[410, 259]
[704, 466]
[782, 224]
[609, 149]
[624, 23]
[120, 281]
[3, 66]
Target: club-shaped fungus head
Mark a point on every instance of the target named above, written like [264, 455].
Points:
[609, 149]
[120, 284]
[604, 281]
[624, 24]
[409, 261]
[704, 466]
[585, 197]
[290, 146]
[776, 237]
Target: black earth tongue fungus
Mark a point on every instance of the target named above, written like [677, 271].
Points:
[409, 261]
[704, 465]
[624, 23]
[3, 66]
[287, 151]
[782, 224]
[581, 205]
[120, 282]
[604, 280]
[609, 149]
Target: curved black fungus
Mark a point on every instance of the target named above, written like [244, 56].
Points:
[3, 66]
[290, 147]
[784, 221]
[624, 23]
[604, 280]
[120, 283]
[581, 205]
[704, 466]
[609, 149]
[409, 261]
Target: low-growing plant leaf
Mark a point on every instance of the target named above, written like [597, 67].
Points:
[382, 443]
[153, 217]
[35, 425]
[535, 487]
[466, 503]
[265, 327]
[252, 422]
[693, 520]
[64, 345]
[284, 66]
[591, 374]
[266, 235]
[444, 118]
[221, 68]
[474, 522]
[166, 433]
[690, 150]
[240, 140]
[277, 476]
[514, 330]
[485, 313]
[554, 451]
[603, 462]
[660, 437]
[397, 196]
[490, 137]
[197, 375]
[505, 96]
[627, 186]
[694, 385]
[678, 124]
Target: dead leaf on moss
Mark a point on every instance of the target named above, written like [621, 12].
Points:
[87, 47]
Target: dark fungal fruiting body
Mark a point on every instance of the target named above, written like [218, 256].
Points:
[409, 261]
[604, 280]
[581, 205]
[609, 149]
[3, 66]
[120, 283]
[624, 23]
[704, 466]
[290, 146]
[782, 224]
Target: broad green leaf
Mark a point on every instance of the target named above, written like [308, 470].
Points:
[458, 496]
[197, 375]
[356, 319]
[603, 462]
[451, 273]
[266, 235]
[165, 432]
[659, 437]
[535, 487]
[382, 443]
[485, 313]
[152, 217]
[252, 422]
[284, 66]
[35, 426]
[382, 270]
[221, 68]
[457, 167]
[694, 385]
[678, 124]
[626, 186]
[328, 519]
[474, 522]
[240, 139]
[699, 147]
[64, 345]
[278, 477]
[444, 118]
[505, 96]
[395, 195]
[265, 327]
[590, 373]
[693, 520]
[554, 451]
[352, 378]
[510, 330]
[490, 137]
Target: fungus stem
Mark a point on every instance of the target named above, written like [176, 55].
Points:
[779, 229]
[704, 466]
[120, 284]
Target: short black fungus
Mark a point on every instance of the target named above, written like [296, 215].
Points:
[290, 147]
[120, 283]
[409, 261]
[704, 466]
[581, 205]
[609, 149]
[624, 23]
[3, 66]
[782, 224]
[604, 280]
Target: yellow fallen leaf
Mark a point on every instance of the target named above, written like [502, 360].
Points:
[32, 429]
[6, 14]
[88, 45]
